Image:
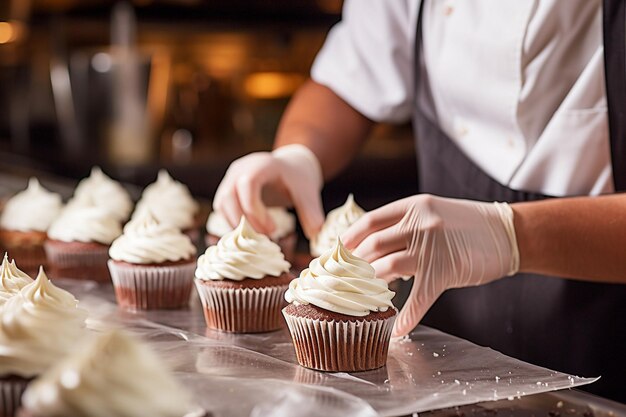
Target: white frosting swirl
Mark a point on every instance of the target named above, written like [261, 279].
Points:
[285, 223]
[84, 223]
[12, 279]
[105, 193]
[113, 375]
[33, 209]
[170, 202]
[146, 241]
[337, 222]
[240, 254]
[339, 281]
[38, 327]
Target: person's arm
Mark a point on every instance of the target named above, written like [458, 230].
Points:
[451, 243]
[320, 120]
[582, 238]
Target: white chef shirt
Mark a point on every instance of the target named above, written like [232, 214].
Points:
[518, 85]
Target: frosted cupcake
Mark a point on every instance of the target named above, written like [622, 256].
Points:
[78, 242]
[105, 193]
[12, 280]
[113, 375]
[171, 203]
[241, 282]
[284, 232]
[337, 222]
[24, 222]
[341, 316]
[152, 265]
[38, 327]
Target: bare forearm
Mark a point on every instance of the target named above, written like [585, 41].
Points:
[581, 238]
[317, 118]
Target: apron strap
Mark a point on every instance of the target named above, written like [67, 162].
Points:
[614, 31]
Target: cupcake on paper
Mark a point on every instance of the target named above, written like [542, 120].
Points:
[38, 327]
[337, 222]
[284, 232]
[339, 300]
[24, 222]
[241, 282]
[170, 201]
[12, 280]
[152, 265]
[112, 375]
[78, 242]
[105, 193]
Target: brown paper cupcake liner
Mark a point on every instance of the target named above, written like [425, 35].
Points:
[88, 264]
[11, 390]
[28, 258]
[242, 310]
[152, 287]
[340, 346]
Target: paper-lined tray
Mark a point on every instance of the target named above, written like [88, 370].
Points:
[257, 374]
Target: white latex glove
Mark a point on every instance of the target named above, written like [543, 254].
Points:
[444, 243]
[290, 175]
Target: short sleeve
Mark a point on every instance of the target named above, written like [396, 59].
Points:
[367, 58]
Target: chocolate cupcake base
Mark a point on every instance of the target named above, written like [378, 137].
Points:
[247, 306]
[78, 260]
[11, 390]
[26, 248]
[150, 287]
[327, 341]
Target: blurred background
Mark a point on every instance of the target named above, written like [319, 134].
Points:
[189, 85]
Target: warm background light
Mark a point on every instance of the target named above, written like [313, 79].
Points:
[272, 85]
[7, 32]
[11, 31]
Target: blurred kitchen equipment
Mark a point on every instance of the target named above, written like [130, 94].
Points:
[129, 134]
[103, 96]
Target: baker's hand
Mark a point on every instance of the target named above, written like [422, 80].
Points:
[444, 243]
[290, 175]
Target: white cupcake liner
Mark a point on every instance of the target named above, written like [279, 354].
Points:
[152, 287]
[11, 391]
[242, 310]
[85, 264]
[340, 346]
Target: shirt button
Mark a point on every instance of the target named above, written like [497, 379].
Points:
[462, 131]
[447, 10]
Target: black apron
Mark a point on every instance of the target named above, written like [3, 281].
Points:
[569, 326]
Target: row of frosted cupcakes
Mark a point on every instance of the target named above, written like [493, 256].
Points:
[36, 227]
[340, 315]
[51, 365]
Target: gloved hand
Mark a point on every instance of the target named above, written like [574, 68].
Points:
[444, 243]
[290, 175]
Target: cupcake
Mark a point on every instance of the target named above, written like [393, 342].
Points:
[284, 233]
[38, 327]
[112, 375]
[241, 282]
[104, 193]
[12, 280]
[24, 222]
[171, 203]
[340, 315]
[337, 222]
[152, 265]
[78, 242]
